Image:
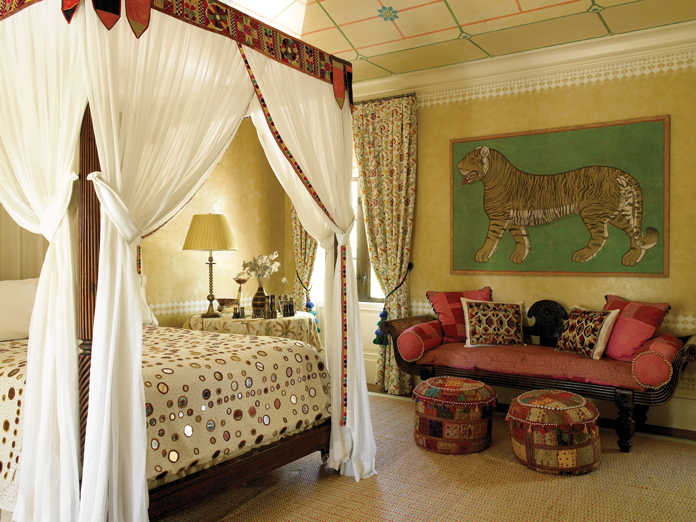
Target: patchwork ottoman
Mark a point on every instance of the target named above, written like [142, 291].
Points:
[453, 415]
[555, 432]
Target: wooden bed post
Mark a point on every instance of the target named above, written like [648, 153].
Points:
[88, 261]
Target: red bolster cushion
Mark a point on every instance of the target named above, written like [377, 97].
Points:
[418, 339]
[450, 312]
[652, 364]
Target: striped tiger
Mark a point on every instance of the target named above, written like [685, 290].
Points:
[515, 200]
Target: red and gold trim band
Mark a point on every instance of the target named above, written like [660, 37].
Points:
[227, 21]
[276, 135]
[344, 338]
[10, 7]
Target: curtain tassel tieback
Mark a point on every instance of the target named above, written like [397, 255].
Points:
[380, 337]
[309, 305]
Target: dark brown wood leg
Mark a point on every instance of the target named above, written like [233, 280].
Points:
[626, 424]
[85, 362]
[426, 372]
[640, 413]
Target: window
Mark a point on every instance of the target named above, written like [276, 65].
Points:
[368, 285]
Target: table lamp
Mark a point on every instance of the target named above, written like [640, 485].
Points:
[210, 232]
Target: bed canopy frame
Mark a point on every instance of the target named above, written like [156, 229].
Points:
[193, 488]
[321, 202]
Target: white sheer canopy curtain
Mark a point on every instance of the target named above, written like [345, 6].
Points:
[42, 101]
[319, 136]
[165, 107]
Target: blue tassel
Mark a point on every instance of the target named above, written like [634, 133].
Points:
[309, 307]
[380, 337]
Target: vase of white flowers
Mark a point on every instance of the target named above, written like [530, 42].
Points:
[261, 267]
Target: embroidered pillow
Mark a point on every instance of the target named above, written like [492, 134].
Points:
[418, 339]
[586, 332]
[448, 307]
[637, 323]
[490, 323]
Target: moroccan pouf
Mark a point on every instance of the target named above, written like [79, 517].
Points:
[453, 415]
[555, 431]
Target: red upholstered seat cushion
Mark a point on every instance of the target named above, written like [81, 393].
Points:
[534, 361]
[652, 365]
[418, 339]
[450, 312]
[637, 323]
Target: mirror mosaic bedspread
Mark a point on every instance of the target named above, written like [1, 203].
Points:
[209, 397]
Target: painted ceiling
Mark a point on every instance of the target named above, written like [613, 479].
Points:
[387, 37]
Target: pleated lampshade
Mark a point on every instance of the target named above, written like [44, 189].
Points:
[210, 232]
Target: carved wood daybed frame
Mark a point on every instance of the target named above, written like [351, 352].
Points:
[633, 405]
[193, 488]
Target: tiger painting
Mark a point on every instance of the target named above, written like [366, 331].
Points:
[514, 200]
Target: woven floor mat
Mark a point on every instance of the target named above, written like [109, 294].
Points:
[655, 482]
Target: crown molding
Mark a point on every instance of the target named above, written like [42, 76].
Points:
[601, 51]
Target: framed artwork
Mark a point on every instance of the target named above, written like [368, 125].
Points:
[586, 200]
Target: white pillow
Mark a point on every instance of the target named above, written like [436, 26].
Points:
[145, 312]
[16, 304]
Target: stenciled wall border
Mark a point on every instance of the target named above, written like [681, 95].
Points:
[570, 78]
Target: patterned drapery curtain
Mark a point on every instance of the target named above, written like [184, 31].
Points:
[305, 249]
[385, 136]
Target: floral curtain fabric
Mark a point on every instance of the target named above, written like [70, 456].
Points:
[385, 135]
[305, 249]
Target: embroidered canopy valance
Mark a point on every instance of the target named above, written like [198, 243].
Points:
[222, 19]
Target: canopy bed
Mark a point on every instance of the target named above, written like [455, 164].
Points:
[186, 77]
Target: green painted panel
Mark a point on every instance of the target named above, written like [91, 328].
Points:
[636, 148]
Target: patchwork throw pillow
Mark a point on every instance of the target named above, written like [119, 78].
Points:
[418, 339]
[490, 323]
[637, 323]
[450, 313]
[587, 331]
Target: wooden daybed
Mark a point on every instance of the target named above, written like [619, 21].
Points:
[633, 404]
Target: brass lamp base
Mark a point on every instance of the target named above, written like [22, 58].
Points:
[211, 313]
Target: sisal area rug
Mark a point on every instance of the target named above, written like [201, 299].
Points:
[655, 482]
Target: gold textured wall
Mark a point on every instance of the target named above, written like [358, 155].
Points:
[243, 187]
[671, 93]
[21, 252]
